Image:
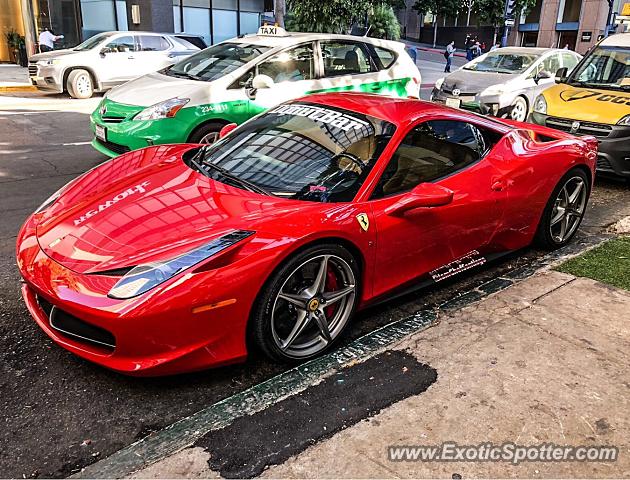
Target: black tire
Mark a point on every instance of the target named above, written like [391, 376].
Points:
[544, 237]
[204, 131]
[261, 331]
[80, 84]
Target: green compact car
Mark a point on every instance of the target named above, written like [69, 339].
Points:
[235, 80]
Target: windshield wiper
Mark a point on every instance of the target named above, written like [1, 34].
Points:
[183, 75]
[203, 168]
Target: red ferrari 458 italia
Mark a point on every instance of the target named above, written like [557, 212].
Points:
[181, 257]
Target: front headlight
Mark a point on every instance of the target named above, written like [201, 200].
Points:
[625, 121]
[143, 278]
[166, 109]
[439, 82]
[540, 104]
[48, 62]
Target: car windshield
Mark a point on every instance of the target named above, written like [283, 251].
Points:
[605, 67]
[215, 62]
[302, 151]
[501, 62]
[92, 42]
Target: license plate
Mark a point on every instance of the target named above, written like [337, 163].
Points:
[453, 102]
[100, 132]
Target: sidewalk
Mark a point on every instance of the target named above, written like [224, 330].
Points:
[14, 78]
[543, 361]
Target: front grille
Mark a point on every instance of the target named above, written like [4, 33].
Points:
[76, 329]
[599, 130]
[112, 119]
[32, 70]
[114, 147]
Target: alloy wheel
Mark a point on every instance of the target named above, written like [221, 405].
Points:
[568, 209]
[209, 138]
[519, 110]
[313, 306]
[84, 85]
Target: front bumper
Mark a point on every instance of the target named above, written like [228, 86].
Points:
[156, 333]
[613, 156]
[124, 134]
[496, 105]
[46, 78]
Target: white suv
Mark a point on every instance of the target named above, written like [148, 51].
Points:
[106, 60]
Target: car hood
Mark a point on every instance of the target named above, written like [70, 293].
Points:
[154, 88]
[53, 54]
[469, 81]
[146, 206]
[587, 104]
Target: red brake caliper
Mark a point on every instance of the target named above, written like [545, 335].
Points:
[331, 285]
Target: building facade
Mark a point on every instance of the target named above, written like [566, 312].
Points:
[577, 24]
[77, 20]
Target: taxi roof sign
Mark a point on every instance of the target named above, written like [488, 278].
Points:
[272, 31]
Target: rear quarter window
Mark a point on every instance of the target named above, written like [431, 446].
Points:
[384, 57]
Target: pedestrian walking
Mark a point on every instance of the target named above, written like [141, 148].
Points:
[47, 40]
[469, 44]
[448, 54]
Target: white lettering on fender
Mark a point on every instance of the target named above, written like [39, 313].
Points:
[140, 188]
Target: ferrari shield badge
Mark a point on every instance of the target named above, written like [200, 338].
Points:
[364, 221]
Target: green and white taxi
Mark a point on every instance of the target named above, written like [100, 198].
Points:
[232, 81]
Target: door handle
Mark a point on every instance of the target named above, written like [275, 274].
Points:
[131, 57]
[375, 88]
[498, 186]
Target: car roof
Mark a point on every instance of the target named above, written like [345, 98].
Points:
[525, 50]
[291, 38]
[138, 32]
[616, 40]
[397, 110]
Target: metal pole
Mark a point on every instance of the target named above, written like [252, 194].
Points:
[609, 17]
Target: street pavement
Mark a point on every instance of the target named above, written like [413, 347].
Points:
[61, 413]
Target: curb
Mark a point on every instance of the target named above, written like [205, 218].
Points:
[186, 431]
[17, 88]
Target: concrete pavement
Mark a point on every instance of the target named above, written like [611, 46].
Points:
[14, 78]
[542, 361]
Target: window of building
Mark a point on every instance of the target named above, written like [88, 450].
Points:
[291, 65]
[250, 22]
[224, 25]
[345, 58]
[102, 15]
[430, 151]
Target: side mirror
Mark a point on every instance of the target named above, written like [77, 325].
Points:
[561, 75]
[103, 52]
[262, 81]
[425, 195]
[227, 129]
[541, 75]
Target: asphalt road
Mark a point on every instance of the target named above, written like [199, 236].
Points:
[60, 413]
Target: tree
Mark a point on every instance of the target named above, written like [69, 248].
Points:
[492, 12]
[469, 4]
[439, 8]
[280, 10]
[330, 16]
[383, 23]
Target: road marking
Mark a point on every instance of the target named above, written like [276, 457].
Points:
[71, 144]
[187, 431]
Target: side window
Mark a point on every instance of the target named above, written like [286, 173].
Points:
[121, 45]
[569, 61]
[345, 58]
[153, 43]
[243, 80]
[385, 57]
[430, 151]
[291, 65]
[551, 64]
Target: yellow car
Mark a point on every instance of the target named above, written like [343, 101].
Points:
[594, 99]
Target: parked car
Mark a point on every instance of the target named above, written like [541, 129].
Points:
[181, 257]
[503, 82]
[106, 60]
[239, 78]
[594, 99]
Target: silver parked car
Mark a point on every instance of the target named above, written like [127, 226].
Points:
[503, 82]
[106, 60]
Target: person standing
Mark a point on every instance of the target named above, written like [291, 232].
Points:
[448, 54]
[47, 40]
[468, 44]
